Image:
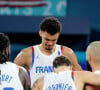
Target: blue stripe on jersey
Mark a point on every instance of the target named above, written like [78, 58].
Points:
[32, 57]
[29, 78]
[60, 52]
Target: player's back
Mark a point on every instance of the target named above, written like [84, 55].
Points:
[9, 77]
[61, 81]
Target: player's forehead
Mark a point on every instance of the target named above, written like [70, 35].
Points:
[49, 36]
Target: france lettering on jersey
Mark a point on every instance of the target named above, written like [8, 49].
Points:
[60, 81]
[9, 77]
[42, 64]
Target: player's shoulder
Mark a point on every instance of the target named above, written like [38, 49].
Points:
[17, 66]
[11, 63]
[67, 49]
[82, 73]
[28, 49]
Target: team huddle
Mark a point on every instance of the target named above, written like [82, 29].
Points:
[48, 65]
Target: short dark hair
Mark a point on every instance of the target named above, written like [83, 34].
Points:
[61, 60]
[51, 25]
[4, 43]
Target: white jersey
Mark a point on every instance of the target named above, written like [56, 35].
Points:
[42, 64]
[9, 77]
[60, 81]
[97, 71]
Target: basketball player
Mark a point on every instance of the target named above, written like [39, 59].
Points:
[38, 59]
[12, 77]
[63, 78]
[93, 57]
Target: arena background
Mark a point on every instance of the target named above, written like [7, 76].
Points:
[80, 20]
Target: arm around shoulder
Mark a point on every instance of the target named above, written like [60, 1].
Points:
[90, 78]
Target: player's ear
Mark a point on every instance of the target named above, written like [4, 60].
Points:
[6, 51]
[40, 33]
[88, 57]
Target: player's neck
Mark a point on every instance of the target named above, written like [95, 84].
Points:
[96, 67]
[45, 51]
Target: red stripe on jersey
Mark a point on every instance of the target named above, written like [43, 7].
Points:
[61, 50]
[32, 48]
[72, 74]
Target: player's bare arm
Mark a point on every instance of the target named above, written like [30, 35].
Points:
[90, 78]
[38, 85]
[24, 58]
[85, 77]
[24, 78]
[68, 52]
